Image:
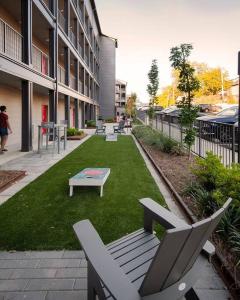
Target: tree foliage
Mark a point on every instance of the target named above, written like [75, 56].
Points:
[152, 87]
[212, 80]
[167, 96]
[188, 84]
[131, 105]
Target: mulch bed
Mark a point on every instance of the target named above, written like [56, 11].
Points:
[76, 137]
[7, 178]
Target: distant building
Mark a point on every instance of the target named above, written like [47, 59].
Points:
[120, 97]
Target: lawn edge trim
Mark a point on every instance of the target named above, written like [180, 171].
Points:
[218, 261]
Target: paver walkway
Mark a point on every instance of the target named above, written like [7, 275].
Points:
[57, 275]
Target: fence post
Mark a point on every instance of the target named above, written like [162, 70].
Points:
[162, 122]
[199, 138]
[156, 121]
[233, 144]
[169, 124]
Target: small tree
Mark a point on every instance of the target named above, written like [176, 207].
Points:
[152, 87]
[131, 105]
[188, 84]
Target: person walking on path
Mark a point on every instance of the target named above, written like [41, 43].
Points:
[5, 128]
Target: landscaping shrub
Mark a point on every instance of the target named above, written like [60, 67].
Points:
[209, 171]
[74, 131]
[204, 199]
[157, 139]
[91, 123]
[216, 184]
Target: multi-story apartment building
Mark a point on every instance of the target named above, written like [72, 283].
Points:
[120, 97]
[55, 64]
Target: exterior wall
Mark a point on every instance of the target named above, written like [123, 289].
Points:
[11, 98]
[107, 77]
[38, 101]
[61, 110]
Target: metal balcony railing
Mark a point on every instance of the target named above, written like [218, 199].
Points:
[80, 13]
[72, 82]
[86, 90]
[61, 75]
[86, 59]
[61, 20]
[40, 61]
[80, 49]
[10, 41]
[80, 87]
[72, 37]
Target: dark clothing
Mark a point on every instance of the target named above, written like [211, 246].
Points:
[3, 120]
[3, 131]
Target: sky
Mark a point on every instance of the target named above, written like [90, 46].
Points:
[147, 29]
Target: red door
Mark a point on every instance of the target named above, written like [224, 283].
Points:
[44, 116]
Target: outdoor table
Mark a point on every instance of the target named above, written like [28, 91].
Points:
[56, 129]
[90, 177]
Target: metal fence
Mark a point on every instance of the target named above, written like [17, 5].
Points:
[219, 138]
[10, 41]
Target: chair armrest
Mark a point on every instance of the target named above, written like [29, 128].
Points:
[154, 211]
[107, 269]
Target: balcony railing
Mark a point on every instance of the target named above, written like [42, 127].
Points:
[61, 20]
[86, 90]
[80, 49]
[10, 41]
[80, 87]
[40, 61]
[61, 75]
[80, 13]
[72, 37]
[86, 59]
[72, 82]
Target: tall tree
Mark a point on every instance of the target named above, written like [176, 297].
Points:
[188, 84]
[152, 87]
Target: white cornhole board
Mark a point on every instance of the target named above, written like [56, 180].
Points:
[90, 177]
[111, 137]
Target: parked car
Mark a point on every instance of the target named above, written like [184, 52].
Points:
[218, 126]
[227, 116]
[209, 108]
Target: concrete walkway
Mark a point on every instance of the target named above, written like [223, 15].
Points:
[34, 164]
[57, 275]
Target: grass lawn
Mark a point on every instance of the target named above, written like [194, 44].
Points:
[41, 216]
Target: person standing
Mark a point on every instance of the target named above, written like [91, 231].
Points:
[5, 128]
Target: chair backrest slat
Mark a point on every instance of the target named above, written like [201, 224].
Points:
[177, 253]
[165, 257]
[215, 218]
[188, 251]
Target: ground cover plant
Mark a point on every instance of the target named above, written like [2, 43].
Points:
[157, 139]
[42, 214]
[74, 132]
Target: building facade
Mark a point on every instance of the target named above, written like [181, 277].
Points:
[53, 65]
[120, 97]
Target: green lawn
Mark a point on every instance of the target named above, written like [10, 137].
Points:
[41, 215]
